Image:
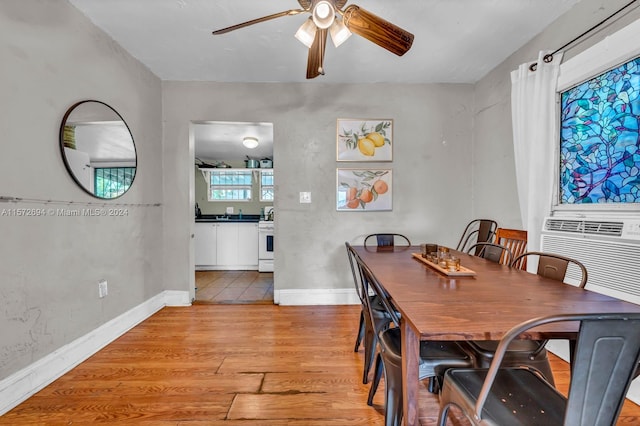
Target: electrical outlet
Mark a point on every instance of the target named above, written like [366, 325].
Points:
[102, 288]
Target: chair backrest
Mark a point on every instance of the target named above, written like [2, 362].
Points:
[606, 356]
[372, 282]
[355, 271]
[477, 231]
[493, 252]
[554, 266]
[515, 240]
[387, 239]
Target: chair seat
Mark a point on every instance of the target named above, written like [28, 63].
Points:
[531, 353]
[536, 402]
[488, 347]
[435, 357]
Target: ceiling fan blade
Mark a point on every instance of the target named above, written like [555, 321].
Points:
[375, 29]
[315, 59]
[256, 21]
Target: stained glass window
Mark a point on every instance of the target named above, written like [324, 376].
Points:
[599, 138]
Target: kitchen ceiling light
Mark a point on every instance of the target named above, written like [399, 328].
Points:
[323, 14]
[250, 142]
[339, 32]
[307, 32]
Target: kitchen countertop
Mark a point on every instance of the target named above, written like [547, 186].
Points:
[231, 218]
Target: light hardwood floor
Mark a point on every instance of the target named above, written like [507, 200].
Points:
[234, 287]
[214, 364]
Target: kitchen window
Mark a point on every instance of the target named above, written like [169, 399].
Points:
[112, 182]
[266, 185]
[230, 185]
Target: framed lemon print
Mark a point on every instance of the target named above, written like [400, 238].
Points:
[364, 140]
[363, 190]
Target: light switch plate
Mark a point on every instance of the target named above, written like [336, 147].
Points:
[305, 197]
[102, 288]
[229, 210]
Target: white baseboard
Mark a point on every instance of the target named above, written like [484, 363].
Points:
[560, 348]
[330, 296]
[23, 384]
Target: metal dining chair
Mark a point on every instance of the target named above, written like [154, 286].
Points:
[607, 353]
[530, 352]
[559, 268]
[381, 240]
[493, 252]
[370, 325]
[435, 357]
[385, 239]
[477, 231]
[555, 266]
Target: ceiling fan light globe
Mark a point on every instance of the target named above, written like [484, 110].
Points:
[323, 14]
[250, 142]
[339, 33]
[307, 32]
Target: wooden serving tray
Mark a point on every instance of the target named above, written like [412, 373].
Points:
[463, 272]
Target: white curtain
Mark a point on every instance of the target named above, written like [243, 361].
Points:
[533, 109]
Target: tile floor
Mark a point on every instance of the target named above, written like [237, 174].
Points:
[234, 287]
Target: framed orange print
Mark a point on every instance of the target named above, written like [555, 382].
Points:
[363, 190]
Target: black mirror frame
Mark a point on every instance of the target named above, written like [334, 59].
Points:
[64, 157]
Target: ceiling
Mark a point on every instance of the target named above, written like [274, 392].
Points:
[219, 141]
[456, 41]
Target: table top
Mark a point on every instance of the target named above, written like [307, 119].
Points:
[480, 307]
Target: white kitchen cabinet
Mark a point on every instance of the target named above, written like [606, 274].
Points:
[226, 246]
[204, 244]
[248, 244]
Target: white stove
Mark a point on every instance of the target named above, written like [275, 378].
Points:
[265, 246]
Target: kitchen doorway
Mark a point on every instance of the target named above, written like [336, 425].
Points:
[220, 148]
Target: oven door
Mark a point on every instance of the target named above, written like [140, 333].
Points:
[265, 244]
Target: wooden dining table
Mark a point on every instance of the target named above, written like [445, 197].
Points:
[483, 306]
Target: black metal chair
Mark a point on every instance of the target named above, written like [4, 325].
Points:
[607, 352]
[477, 231]
[493, 252]
[370, 325]
[554, 266]
[435, 357]
[381, 240]
[387, 239]
[522, 352]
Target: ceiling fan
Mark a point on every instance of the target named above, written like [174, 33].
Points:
[328, 16]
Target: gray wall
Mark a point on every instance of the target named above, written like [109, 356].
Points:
[52, 57]
[431, 162]
[495, 193]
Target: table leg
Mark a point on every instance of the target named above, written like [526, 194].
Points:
[410, 365]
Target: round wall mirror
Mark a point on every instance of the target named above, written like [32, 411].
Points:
[98, 149]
